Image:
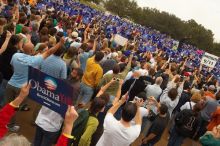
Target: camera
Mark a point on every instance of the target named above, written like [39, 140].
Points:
[116, 79]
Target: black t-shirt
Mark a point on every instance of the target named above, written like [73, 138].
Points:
[185, 97]
[158, 126]
[2, 38]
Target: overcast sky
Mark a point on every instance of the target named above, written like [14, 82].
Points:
[205, 12]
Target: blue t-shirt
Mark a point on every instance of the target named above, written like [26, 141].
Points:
[83, 58]
[55, 67]
[20, 63]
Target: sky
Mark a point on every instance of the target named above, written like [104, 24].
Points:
[205, 12]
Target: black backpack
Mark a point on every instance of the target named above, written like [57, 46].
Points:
[186, 123]
[79, 127]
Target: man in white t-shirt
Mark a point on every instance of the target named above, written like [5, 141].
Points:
[121, 133]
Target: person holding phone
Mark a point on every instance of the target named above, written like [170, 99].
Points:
[121, 132]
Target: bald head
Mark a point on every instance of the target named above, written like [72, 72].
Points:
[28, 48]
[159, 81]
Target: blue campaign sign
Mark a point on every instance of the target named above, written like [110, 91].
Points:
[51, 92]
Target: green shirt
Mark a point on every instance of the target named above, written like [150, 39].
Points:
[18, 28]
[90, 129]
[209, 140]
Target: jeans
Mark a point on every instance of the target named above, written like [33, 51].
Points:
[171, 124]
[146, 124]
[175, 139]
[85, 94]
[45, 138]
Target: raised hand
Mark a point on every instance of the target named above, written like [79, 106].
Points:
[124, 98]
[8, 35]
[62, 40]
[71, 116]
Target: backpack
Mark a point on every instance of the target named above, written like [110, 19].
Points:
[186, 123]
[79, 127]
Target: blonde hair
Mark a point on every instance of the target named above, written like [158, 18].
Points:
[14, 140]
[196, 97]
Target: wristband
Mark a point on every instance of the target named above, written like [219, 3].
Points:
[14, 106]
[69, 136]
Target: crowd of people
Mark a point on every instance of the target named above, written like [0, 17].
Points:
[120, 92]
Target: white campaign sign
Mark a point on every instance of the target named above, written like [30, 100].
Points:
[120, 40]
[175, 45]
[209, 60]
[107, 13]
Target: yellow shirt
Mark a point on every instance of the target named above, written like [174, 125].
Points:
[90, 129]
[93, 73]
[32, 2]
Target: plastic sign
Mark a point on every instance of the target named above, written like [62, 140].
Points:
[48, 91]
[120, 40]
[209, 60]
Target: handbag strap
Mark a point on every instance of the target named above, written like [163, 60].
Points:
[190, 105]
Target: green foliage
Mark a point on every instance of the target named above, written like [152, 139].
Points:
[94, 6]
[95, 1]
[166, 23]
[215, 49]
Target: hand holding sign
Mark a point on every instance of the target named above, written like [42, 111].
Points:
[70, 118]
[24, 91]
[51, 92]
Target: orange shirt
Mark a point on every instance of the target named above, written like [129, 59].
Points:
[215, 120]
[209, 94]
